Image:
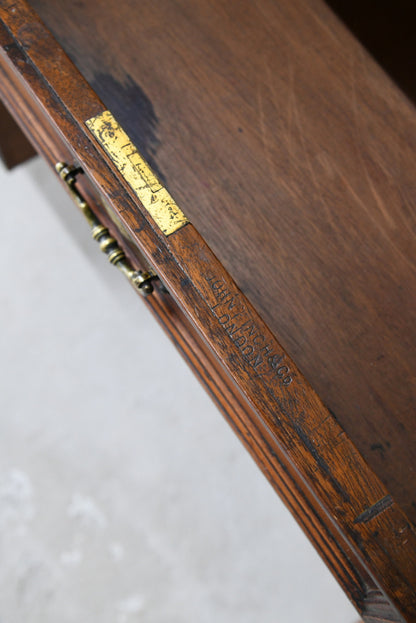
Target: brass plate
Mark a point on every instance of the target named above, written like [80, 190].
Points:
[137, 173]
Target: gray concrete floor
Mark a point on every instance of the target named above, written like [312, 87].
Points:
[124, 496]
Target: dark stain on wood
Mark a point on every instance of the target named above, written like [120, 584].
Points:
[375, 510]
[137, 112]
[322, 464]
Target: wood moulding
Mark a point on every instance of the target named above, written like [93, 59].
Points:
[359, 529]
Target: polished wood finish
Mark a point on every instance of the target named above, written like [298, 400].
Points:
[14, 146]
[353, 519]
[294, 156]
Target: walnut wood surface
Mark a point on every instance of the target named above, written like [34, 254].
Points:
[293, 155]
[316, 524]
[351, 517]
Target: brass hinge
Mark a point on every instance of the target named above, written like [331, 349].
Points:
[141, 280]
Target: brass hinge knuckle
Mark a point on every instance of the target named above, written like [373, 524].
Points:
[141, 280]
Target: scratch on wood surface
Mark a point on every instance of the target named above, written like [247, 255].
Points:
[358, 130]
[321, 20]
[348, 186]
[289, 122]
[284, 132]
[262, 124]
[291, 137]
[316, 186]
[376, 509]
[390, 221]
[264, 135]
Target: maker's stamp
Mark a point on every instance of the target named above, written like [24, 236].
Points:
[235, 319]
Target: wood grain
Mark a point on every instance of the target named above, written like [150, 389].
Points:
[338, 555]
[354, 520]
[293, 154]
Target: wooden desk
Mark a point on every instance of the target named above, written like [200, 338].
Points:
[292, 288]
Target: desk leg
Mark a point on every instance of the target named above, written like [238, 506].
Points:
[14, 146]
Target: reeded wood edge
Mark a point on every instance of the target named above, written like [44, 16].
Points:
[314, 445]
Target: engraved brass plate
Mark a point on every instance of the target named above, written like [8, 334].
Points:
[137, 173]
